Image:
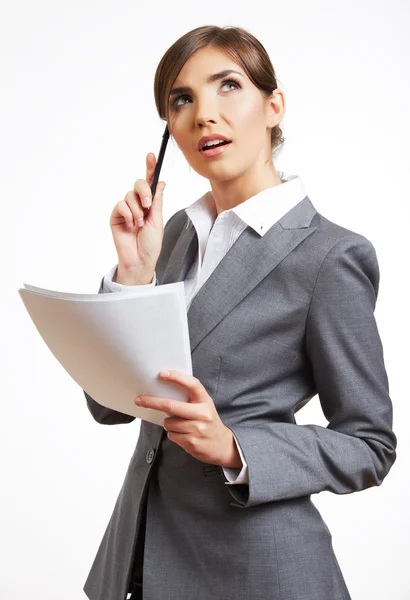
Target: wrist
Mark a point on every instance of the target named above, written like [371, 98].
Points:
[233, 458]
[133, 275]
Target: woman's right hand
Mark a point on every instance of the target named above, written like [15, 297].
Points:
[138, 247]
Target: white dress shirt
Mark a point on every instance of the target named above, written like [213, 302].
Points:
[216, 235]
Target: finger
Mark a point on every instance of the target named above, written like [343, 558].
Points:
[143, 191]
[133, 202]
[151, 163]
[177, 408]
[157, 202]
[178, 425]
[196, 390]
[124, 210]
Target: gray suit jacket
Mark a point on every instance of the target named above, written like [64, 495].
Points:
[282, 318]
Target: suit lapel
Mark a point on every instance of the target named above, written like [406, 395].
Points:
[247, 262]
[181, 257]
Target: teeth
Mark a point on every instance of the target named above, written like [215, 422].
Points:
[212, 143]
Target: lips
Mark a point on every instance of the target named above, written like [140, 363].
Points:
[207, 138]
[215, 151]
[208, 148]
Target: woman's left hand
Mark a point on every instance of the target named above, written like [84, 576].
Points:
[196, 426]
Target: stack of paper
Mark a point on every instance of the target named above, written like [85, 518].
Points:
[114, 345]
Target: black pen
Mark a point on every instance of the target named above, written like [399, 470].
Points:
[158, 166]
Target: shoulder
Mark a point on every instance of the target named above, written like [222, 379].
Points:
[331, 240]
[342, 258]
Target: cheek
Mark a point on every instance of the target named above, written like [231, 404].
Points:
[181, 136]
[249, 119]
[248, 124]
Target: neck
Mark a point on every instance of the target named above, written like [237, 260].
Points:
[228, 194]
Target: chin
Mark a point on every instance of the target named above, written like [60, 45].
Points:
[215, 171]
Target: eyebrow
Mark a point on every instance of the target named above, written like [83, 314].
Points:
[211, 79]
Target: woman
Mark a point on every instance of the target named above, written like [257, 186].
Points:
[217, 503]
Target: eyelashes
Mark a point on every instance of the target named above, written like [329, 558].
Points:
[176, 106]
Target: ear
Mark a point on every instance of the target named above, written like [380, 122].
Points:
[276, 107]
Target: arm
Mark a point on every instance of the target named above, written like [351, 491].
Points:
[236, 476]
[102, 414]
[109, 283]
[108, 416]
[342, 344]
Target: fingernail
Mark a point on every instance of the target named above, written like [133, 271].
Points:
[137, 400]
[140, 222]
[146, 201]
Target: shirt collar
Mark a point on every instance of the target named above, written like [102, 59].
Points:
[260, 211]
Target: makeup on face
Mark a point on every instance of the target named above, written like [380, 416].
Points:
[215, 150]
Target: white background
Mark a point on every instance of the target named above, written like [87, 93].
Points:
[77, 120]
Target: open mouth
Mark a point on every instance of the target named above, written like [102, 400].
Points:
[214, 149]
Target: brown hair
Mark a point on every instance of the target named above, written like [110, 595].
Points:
[238, 43]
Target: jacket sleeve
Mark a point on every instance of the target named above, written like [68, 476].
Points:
[234, 475]
[342, 345]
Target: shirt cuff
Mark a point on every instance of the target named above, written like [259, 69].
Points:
[112, 286]
[237, 475]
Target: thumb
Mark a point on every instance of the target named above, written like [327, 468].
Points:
[157, 201]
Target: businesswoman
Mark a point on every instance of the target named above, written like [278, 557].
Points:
[217, 502]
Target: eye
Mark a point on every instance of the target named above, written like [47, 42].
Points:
[175, 104]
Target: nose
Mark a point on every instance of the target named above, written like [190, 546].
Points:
[202, 120]
[203, 113]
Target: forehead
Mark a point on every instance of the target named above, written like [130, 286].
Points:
[203, 63]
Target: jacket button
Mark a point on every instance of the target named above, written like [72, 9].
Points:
[150, 455]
